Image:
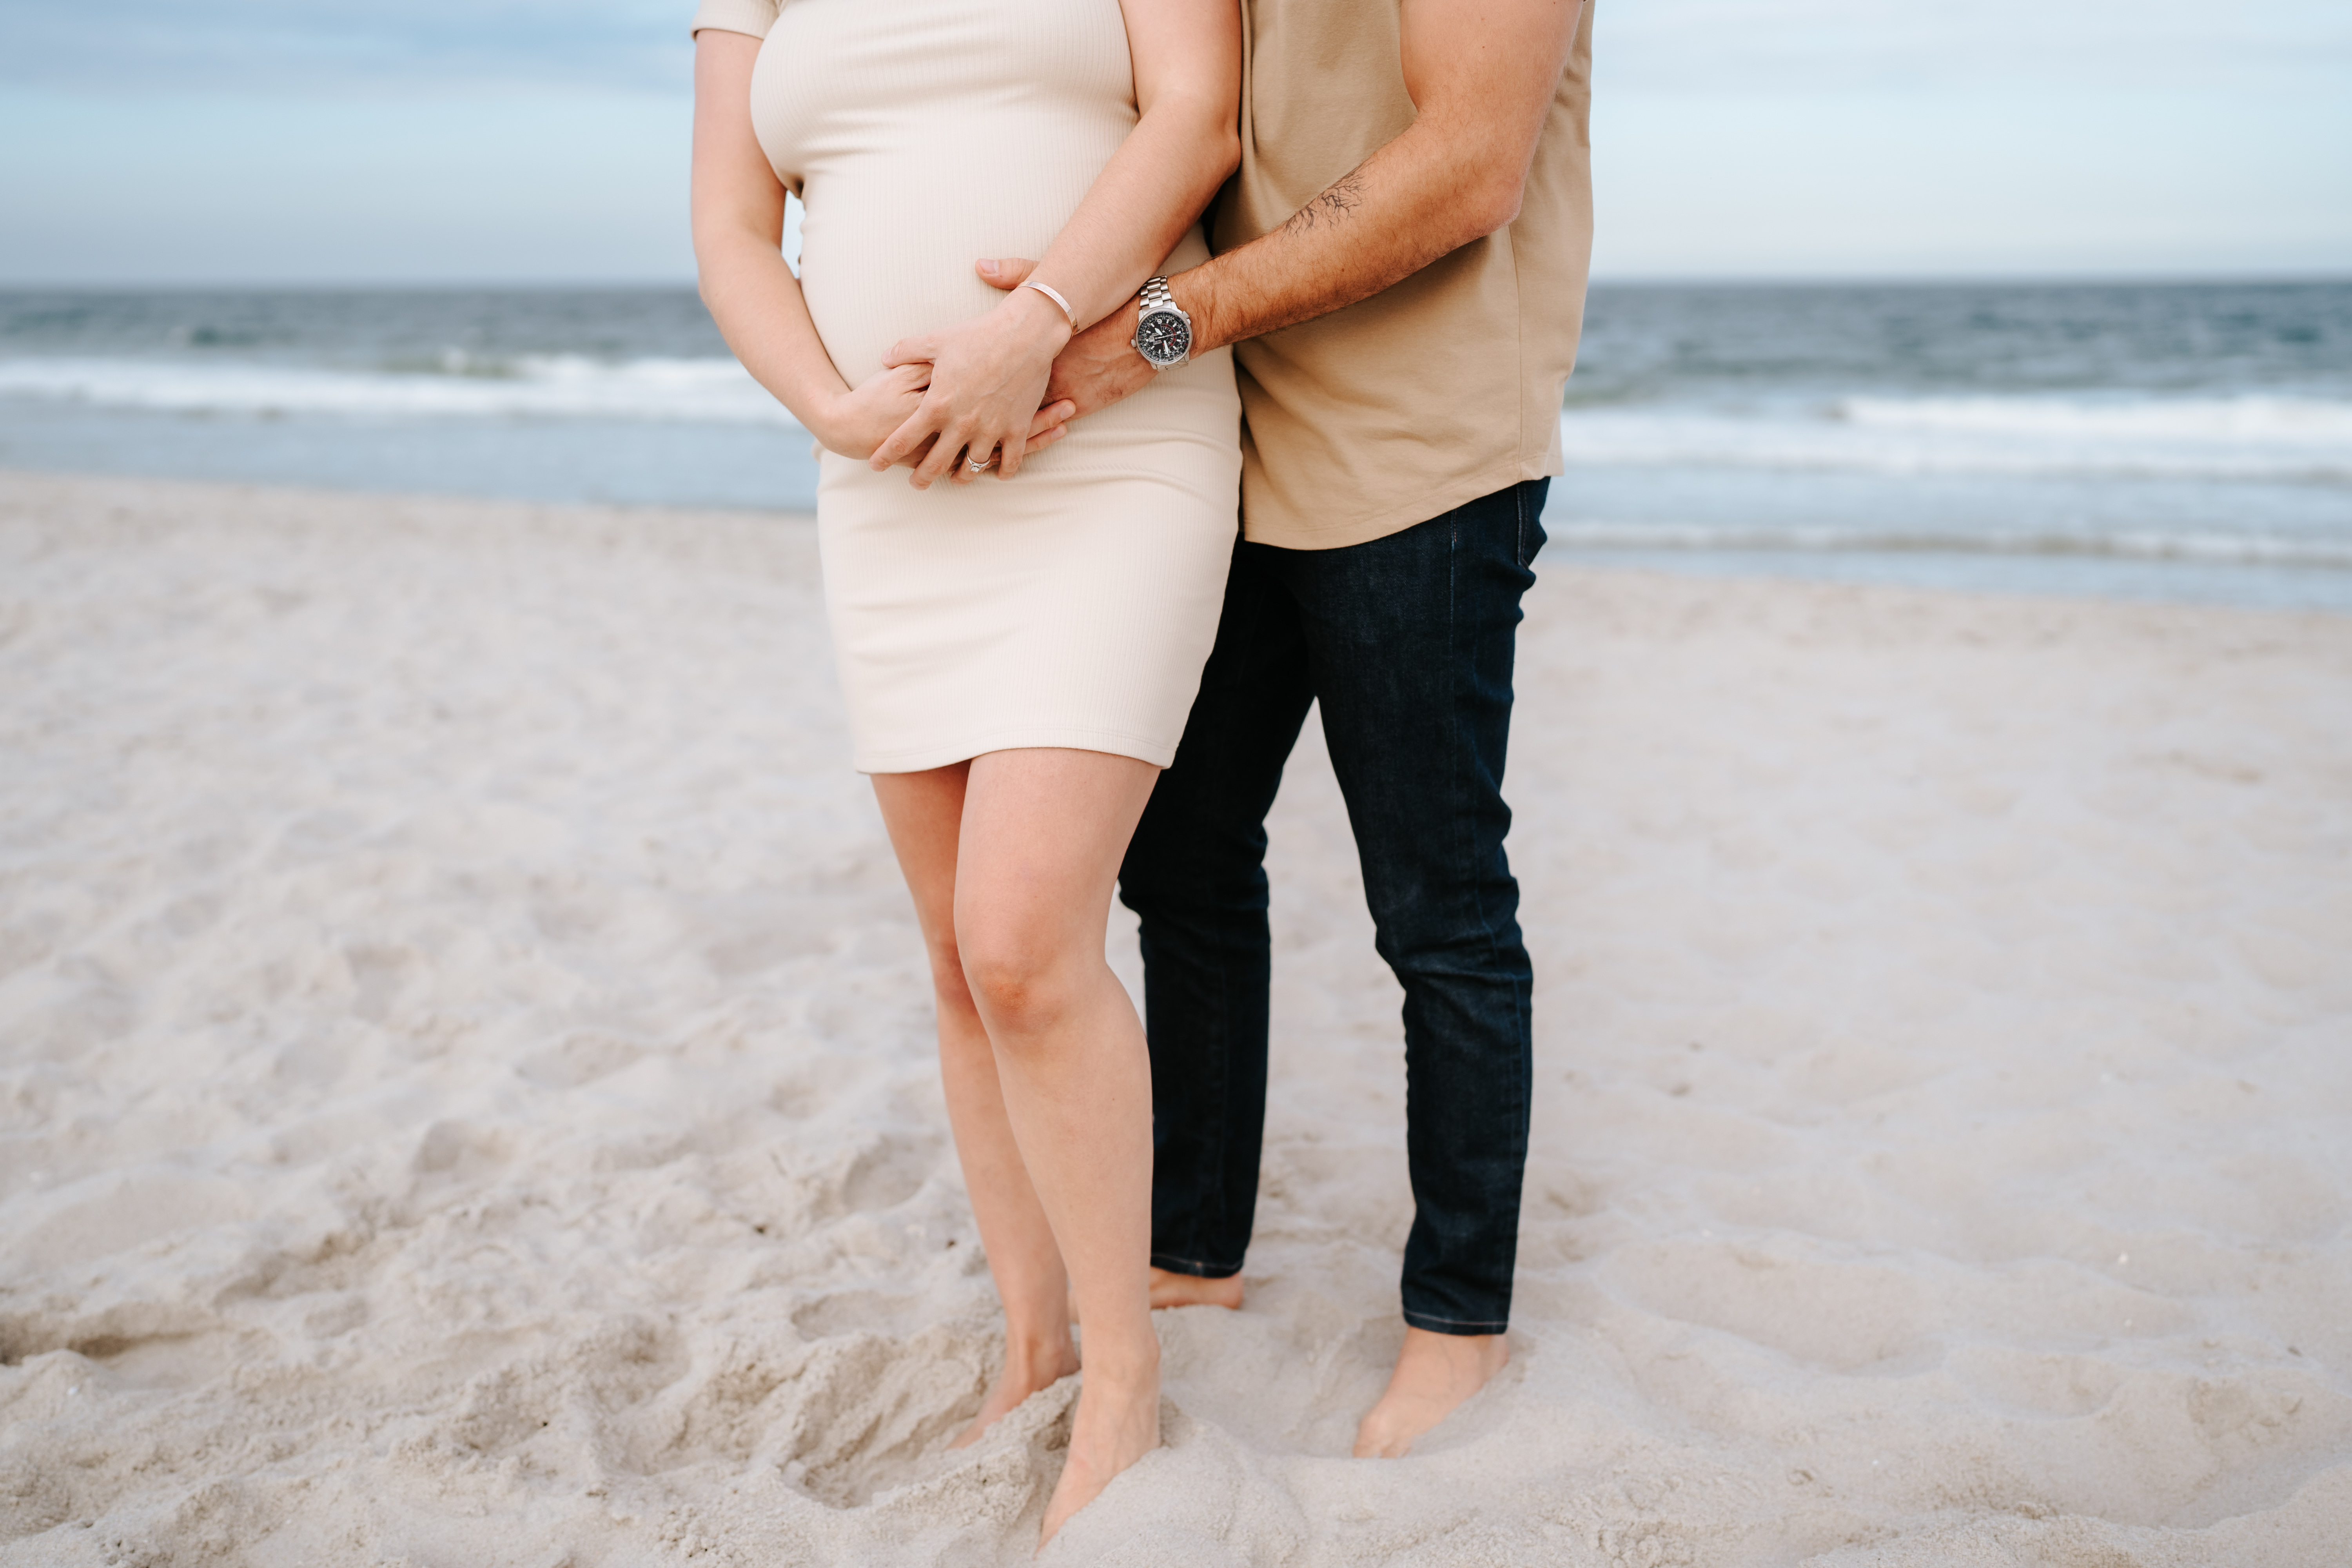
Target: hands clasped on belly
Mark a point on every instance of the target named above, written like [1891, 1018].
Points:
[977, 392]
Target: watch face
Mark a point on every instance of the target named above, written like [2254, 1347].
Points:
[1164, 337]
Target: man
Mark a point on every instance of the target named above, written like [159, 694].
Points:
[1401, 266]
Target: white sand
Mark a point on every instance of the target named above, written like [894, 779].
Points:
[468, 1100]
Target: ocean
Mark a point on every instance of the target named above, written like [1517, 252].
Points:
[2184, 442]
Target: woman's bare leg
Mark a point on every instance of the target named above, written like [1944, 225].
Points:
[1043, 834]
[1187, 1291]
[924, 812]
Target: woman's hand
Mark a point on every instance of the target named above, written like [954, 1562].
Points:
[987, 379]
[857, 421]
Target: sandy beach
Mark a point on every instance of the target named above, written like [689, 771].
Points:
[467, 1099]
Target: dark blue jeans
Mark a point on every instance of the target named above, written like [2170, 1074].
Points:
[1407, 642]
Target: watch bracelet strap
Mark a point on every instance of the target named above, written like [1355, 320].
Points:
[1155, 296]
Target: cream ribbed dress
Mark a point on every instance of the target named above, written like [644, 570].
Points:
[1072, 604]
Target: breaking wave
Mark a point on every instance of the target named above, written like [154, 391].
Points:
[455, 386]
[2276, 440]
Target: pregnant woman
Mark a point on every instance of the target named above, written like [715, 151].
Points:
[1019, 646]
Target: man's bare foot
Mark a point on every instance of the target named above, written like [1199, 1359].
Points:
[1026, 1371]
[1191, 1290]
[1435, 1372]
[1118, 1422]
[1186, 1291]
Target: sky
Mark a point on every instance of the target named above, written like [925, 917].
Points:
[520, 140]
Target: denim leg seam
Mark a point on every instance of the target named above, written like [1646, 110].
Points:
[1224, 1082]
[1519, 1017]
[1463, 788]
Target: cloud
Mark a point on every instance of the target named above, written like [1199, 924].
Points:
[287, 48]
[1811, 45]
[302, 47]
[522, 138]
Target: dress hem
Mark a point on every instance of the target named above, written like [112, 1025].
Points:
[1116, 743]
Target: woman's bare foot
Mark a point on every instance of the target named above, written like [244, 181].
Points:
[1118, 1422]
[1026, 1371]
[1435, 1374]
[1186, 1291]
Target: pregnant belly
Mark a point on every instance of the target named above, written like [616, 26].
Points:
[872, 277]
[893, 225]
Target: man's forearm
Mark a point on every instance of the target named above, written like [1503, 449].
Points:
[1483, 75]
[1374, 226]
[1369, 229]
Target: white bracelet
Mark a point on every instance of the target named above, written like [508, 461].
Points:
[1054, 294]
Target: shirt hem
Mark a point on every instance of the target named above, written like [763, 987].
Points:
[1396, 519]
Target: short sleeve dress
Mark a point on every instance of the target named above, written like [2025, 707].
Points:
[1075, 604]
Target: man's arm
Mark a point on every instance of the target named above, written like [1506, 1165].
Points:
[1481, 75]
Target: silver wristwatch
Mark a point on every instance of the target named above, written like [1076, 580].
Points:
[1163, 333]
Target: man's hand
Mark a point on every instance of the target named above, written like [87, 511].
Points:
[1094, 369]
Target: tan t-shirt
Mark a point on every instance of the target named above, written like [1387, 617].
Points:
[1434, 391]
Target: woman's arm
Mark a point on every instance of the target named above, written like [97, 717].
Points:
[988, 375]
[739, 228]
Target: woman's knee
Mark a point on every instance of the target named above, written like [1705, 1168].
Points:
[1018, 972]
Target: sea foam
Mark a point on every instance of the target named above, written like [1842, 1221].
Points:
[2293, 441]
[532, 386]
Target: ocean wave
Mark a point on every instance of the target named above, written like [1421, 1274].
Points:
[2228, 421]
[547, 386]
[2205, 549]
[2247, 438]
[2279, 439]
